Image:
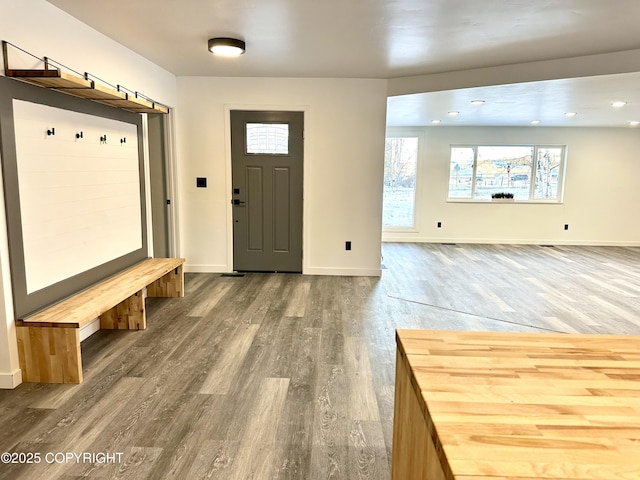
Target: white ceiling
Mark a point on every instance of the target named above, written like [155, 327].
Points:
[519, 104]
[388, 39]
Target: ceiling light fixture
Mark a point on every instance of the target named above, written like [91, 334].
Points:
[477, 102]
[570, 114]
[435, 122]
[634, 123]
[618, 104]
[453, 114]
[226, 47]
[535, 122]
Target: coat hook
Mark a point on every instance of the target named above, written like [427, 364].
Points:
[103, 138]
[52, 131]
[79, 135]
[123, 140]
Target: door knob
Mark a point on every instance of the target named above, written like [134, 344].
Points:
[235, 201]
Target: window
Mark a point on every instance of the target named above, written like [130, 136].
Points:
[268, 138]
[530, 172]
[400, 180]
[548, 163]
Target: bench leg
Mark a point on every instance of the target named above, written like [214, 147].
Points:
[127, 315]
[49, 354]
[169, 285]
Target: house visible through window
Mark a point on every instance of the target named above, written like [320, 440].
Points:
[400, 172]
[530, 172]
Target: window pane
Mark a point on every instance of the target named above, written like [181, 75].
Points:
[547, 172]
[268, 138]
[400, 168]
[461, 172]
[504, 169]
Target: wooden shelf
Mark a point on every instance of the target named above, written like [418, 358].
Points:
[51, 79]
[75, 84]
[96, 92]
[156, 108]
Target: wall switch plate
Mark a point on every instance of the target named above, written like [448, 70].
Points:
[347, 245]
[201, 182]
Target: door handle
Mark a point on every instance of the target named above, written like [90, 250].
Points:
[235, 201]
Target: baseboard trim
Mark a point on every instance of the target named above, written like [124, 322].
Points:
[344, 272]
[10, 381]
[190, 268]
[507, 241]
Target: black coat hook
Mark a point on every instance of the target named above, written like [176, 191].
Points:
[123, 140]
[79, 135]
[52, 131]
[103, 138]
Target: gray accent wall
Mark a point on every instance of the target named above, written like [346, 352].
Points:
[27, 303]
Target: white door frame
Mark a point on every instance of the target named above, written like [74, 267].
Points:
[171, 171]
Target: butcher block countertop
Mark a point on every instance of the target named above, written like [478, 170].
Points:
[524, 406]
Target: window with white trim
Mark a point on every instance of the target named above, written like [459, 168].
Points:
[529, 172]
[401, 159]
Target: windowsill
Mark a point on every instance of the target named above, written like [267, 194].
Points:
[537, 202]
[399, 230]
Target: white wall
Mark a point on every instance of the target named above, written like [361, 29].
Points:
[600, 200]
[344, 147]
[44, 30]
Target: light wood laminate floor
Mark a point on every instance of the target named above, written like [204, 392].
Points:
[276, 376]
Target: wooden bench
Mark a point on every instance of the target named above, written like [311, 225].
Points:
[49, 341]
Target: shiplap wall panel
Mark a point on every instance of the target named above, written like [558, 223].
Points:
[79, 198]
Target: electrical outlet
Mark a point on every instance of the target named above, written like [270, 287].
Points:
[347, 245]
[439, 224]
[566, 226]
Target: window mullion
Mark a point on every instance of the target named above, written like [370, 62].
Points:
[474, 172]
[534, 172]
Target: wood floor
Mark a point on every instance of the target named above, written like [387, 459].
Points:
[276, 376]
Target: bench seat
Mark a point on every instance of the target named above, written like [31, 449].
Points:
[49, 340]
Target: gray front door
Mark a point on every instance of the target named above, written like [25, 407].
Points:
[266, 158]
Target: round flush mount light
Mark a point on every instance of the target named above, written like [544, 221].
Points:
[477, 102]
[453, 113]
[226, 47]
[535, 122]
[634, 123]
[570, 114]
[618, 104]
[435, 122]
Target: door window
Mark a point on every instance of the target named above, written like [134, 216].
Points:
[268, 138]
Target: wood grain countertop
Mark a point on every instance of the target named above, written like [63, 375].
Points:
[524, 406]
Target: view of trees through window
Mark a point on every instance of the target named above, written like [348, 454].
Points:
[529, 172]
[400, 169]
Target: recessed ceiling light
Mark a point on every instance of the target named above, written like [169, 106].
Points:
[435, 122]
[634, 123]
[453, 114]
[570, 114]
[477, 102]
[618, 104]
[535, 122]
[226, 47]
